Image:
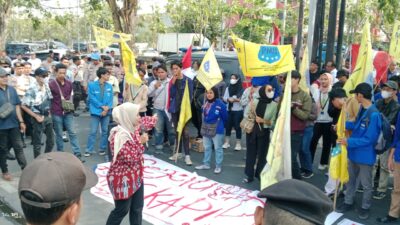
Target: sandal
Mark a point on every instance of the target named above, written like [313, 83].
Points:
[247, 180]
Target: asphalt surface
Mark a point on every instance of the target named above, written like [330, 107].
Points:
[95, 210]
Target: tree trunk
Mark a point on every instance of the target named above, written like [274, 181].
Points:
[5, 10]
[115, 12]
[299, 33]
[330, 42]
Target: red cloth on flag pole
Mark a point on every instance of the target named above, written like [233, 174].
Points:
[355, 48]
[277, 35]
[381, 63]
[187, 63]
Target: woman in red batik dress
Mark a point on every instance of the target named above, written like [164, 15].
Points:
[125, 177]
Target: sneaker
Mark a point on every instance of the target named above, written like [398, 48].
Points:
[176, 156]
[344, 208]
[360, 190]
[76, 114]
[64, 137]
[363, 214]
[102, 152]
[307, 174]
[226, 145]
[7, 177]
[87, 154]
[387, 219]
[238, 147]
[322, 167]
[202, 167]
[188, 161]
[217, 170]
[379, 195]
[10, 156]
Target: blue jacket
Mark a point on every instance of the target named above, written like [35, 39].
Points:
[96, 101]
[217, 111]
[175, 90]
[365, 134]
[396, 141]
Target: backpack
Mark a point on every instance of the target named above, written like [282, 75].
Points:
[385, 135]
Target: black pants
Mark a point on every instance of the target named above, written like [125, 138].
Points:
[12, 136]
[184, 136]
[257, 149]
[133, 205]
[296, 143]
[196, 118]
[38, 129]
[234, 119]
[324, 130]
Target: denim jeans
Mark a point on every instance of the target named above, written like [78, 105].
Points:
[163, 122]
[12, 136]
[67, 121]
[219, 152]
[296, 144]
[234, 119]
[94, 126]
[305, 153]
[38, 129]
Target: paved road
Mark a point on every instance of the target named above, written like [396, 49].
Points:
[96, 210]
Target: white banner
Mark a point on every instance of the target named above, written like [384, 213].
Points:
[175, 196]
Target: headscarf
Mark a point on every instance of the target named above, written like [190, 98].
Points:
[263, 101]
[330, 79]
[125, 115]
[235, 89]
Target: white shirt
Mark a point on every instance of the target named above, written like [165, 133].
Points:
[35, 63]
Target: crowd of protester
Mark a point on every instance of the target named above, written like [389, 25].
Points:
[43, 98]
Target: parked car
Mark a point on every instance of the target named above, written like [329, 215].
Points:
[25, 49]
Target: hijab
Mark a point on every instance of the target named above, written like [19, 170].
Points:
[216, 95]
[235, 89]
[330, 79]
[125, 115]
[263, 101]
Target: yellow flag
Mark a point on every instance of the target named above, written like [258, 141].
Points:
[185, 113]
[209, 73]
[263, 60]
[279, 160]
[338, 164]
[305, 77]
[105, 38]
[129, 63]
[394, 49]
[364, 61]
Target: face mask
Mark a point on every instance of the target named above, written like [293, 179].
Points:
[233, 81]
[270, 94]
[386, 94]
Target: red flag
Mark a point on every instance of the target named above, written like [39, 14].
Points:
[355, 48]
[187, 63]
[277, 35]
[381, 64]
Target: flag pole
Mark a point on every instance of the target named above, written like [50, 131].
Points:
[336, 194]
[177, 148]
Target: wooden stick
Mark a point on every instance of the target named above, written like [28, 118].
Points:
[336, 194]
[177, 149]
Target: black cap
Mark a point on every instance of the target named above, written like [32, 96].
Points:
[41, 72]
[18, 64]
[4, 61]
[363, 88]
[299, 198]
[337, 93]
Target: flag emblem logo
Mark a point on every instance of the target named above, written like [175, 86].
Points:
[207, 66]
[269, 54]
[116, 36]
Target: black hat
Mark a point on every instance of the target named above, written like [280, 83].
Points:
[41, 72]
[299, 198]
[363, 88]
[337, 93]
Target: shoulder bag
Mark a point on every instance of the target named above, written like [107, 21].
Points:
[7, 108]
[66, 105]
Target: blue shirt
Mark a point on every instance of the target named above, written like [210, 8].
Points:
[396, 141]
[99, 97]
[215, 112]
[365, 133]
[11, 121]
